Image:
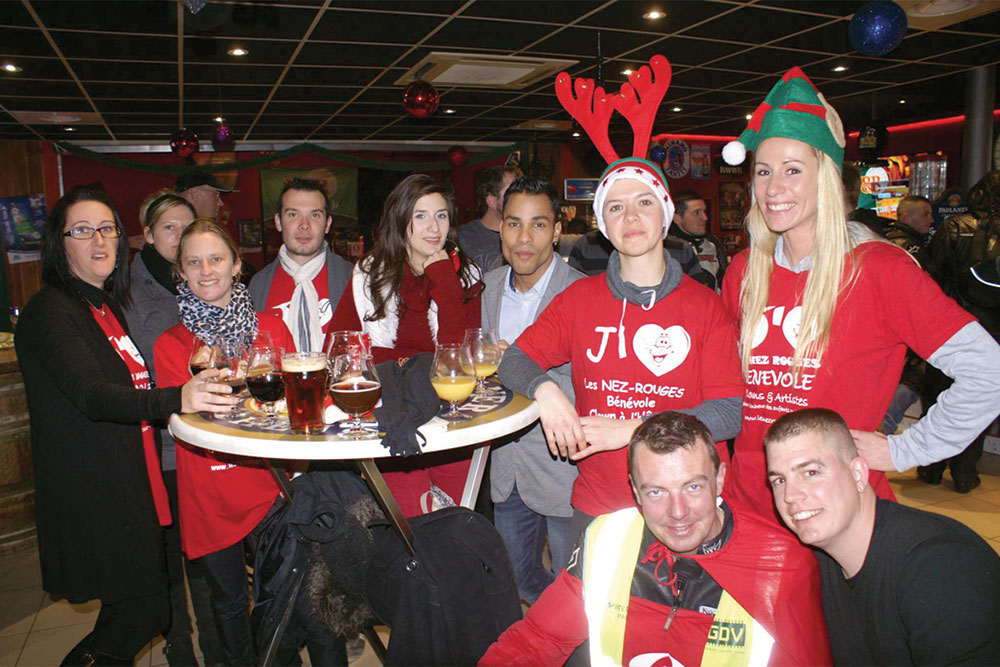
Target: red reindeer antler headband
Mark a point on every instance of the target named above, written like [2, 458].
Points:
[638, 100]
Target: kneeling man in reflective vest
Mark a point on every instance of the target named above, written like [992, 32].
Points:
[685, 578]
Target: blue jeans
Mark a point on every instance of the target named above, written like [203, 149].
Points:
[524, 531]
[901, 401]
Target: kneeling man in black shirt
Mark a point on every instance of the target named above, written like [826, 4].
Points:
[900, 586]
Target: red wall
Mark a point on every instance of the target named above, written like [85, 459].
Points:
[129, 187]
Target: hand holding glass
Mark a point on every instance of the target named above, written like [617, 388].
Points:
[204, 355]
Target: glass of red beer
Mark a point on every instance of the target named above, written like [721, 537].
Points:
[306, 377]
[355, 388]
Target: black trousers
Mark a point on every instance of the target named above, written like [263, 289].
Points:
[226, 571]
[124, 627]
[179, 629]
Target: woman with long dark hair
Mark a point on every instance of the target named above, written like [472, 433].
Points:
[414, 290]
[99, 496]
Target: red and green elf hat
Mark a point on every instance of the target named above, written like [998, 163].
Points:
[794, 109]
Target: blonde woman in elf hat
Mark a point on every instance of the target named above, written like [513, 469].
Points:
[642, 337]
[826, 311]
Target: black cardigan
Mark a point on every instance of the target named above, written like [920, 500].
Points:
[98, 534]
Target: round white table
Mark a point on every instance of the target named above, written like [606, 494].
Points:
[277, 446]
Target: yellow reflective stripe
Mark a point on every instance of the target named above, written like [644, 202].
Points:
[611, 548]
[736, 639]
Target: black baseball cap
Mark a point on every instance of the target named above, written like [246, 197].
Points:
[196, 177]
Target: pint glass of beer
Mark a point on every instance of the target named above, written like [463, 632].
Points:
[306, 377]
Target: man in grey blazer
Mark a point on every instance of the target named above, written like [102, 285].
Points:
[531, 489]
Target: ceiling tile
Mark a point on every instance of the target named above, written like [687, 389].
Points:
[469, 33]
[382, 27]
[753, 25]
[19, 42]
[582, 43]
[558, 13]
[348, 55]
[842, 8]
[679, 15]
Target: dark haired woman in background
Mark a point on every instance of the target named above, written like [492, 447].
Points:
[414, 290]
[164, 215]
[99, 495]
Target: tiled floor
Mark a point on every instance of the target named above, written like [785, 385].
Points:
[37, 631]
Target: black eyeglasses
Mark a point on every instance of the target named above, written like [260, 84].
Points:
[83, 233]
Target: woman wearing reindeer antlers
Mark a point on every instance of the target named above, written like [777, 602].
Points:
[826, 312]
[642, 337]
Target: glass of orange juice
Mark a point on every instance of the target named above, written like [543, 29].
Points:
[453, 376]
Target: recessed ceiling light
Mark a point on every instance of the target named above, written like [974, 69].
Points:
[238, 51]
[11, 67]
[449, 111]
[902, 101]
[840, 68]
[653, 15]
[627, 71]
[69, 129]
[219, 119]
[749, 116]
[576, 135]
[676, 109]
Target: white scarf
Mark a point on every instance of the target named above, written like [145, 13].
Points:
[302, 316]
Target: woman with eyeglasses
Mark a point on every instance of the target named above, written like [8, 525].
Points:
[100, 501]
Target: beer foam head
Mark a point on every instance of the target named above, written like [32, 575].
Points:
[304, 363]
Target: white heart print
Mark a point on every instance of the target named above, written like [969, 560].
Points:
[661, 350]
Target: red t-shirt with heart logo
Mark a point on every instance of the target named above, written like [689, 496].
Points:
[630, 363]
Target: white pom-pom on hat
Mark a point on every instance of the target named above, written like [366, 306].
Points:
[734, 153]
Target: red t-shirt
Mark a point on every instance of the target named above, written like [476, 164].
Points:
[678, 354]
[279, 297]
[891, 305]
[220, 498]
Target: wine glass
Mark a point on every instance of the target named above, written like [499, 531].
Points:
[485, 350]
[260, 337]
[338, 342]
[264, 378]
[204, 355]
[233, 365]
[355, 388]
[453, 376]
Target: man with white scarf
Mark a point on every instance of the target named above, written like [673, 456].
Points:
[306, 280]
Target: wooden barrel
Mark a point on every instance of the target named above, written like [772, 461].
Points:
[17, 487]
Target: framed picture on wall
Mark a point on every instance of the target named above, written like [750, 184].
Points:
[250, 233]
[730, 218]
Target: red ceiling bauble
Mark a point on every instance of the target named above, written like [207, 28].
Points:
[184, 142]
[420, 99]
[457, 156]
